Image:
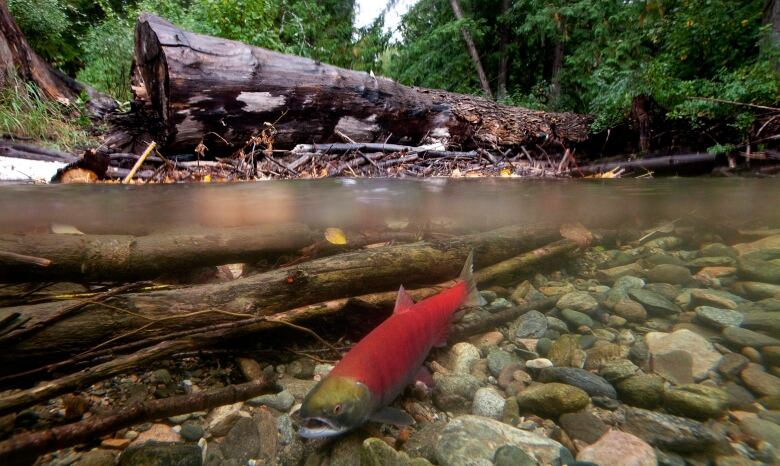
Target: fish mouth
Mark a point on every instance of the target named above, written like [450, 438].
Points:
[319, 427]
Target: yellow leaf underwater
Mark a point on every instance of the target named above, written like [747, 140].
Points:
[335, 236]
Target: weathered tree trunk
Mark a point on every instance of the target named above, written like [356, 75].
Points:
[149, 314]
[216, 90]
[473, 52]
[122, 257]
[17, 57]
[503, 61]
[555, 74]
[772, 19]
[640, 114]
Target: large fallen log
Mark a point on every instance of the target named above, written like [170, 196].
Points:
[159, 313]
[123, 257]
[217, 90]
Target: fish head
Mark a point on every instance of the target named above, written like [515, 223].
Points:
[334, 406]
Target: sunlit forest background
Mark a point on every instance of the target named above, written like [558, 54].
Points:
[680, 58]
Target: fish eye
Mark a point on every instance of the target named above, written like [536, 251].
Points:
[337, 409]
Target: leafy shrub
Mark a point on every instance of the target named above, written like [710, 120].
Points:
[43, 23]
[25, 112]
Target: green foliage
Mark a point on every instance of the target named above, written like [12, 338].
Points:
[673, 51]
[682, 54]
[108, 53]
[44, 23]
[322, 30]
[24, 112]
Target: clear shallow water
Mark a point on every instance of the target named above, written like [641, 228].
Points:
[599, 330]
[475, 204]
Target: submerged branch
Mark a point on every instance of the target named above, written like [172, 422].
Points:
[24, 448]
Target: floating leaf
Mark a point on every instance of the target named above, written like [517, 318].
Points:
[335, 236]
[207, 179]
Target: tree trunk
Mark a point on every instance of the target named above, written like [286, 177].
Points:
[472, 48]
[17, 57]
[555, 74]
[772, 18]
[143, 315]
[220, 91]
[503, 61]
[640, 114]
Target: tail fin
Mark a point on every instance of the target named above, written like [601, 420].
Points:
[467, 275]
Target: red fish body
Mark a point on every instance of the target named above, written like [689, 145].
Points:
[388, 359]
[376, 370]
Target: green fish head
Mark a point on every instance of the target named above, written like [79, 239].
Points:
[334, 406]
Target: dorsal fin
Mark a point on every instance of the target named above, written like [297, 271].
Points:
[467, 275]
[403, 302]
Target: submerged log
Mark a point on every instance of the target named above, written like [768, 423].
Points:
[123, 257]
[158, 313]
[219, 90]
[109, 362]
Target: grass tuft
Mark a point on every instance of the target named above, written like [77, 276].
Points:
[28, 115]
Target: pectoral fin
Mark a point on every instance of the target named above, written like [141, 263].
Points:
[393, 416]
[424, 377]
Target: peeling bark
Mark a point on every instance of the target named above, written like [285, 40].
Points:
[221, 91]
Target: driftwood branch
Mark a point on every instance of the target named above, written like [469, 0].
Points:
[666, 164]
[23, 448]
[65, 312]
[31, 152]
[430, 151]
[124, 257]
[509, 268]
[490, 320]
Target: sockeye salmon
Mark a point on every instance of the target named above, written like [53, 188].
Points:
[376, 370]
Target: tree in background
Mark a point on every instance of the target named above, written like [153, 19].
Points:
[650, 64]
[646, 63]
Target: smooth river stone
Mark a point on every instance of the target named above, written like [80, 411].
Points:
[672, 432]
[473, 441]
[617, 448]
[718, 318]
[532, 324]
[654, 302]
[744, 337]
[759, 382]
[704, 355]
[675, 366]
[593, 384]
